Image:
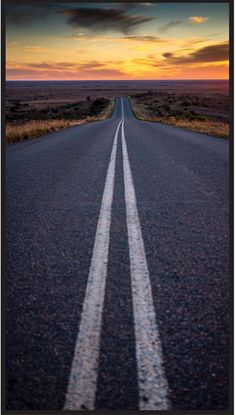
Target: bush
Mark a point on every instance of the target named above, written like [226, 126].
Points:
[98, 106]
[176, 113]
[185, 103]
[166, 107]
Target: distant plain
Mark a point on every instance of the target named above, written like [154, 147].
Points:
[199, 105]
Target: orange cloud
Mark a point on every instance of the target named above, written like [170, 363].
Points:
[210, 59]
[35, 48]
[63, 70]
[198, 19]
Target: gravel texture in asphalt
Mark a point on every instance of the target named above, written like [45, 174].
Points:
[54, 187]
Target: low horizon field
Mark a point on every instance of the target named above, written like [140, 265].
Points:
[161, 101]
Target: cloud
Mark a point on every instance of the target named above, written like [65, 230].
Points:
[62, 70]
[25, 46]
[215, 34]
[91, 65]
[42, 66]
[170, 25]
[174, 23]
[104, 19]
[212, 53]
[61, 66]
[20, 73]
[198, 19]
[96, 18]
[103, 38]
[168, 55]
[132, 5]
[192, 41]
[35, 48]
[144, 38]
[41, 3]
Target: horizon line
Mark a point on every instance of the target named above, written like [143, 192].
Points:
[115, 80]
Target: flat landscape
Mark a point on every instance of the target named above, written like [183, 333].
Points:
[199, 105]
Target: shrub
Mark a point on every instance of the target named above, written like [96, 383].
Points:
[185, 103]
[166, 107]
[98, 106]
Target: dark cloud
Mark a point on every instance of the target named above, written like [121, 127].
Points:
[213, 53]
[167, 55]
[40, 3]
[48, 3]
[128, 6]
[104, 19]
[132, 5]
[170, 25]
[144, 38]
[120, 18]
[61, 66]
[49, 65]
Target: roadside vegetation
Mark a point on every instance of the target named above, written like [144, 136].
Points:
[30, 120]
[208, 115]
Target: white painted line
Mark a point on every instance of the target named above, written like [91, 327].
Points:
[82, 385]
[153, 387]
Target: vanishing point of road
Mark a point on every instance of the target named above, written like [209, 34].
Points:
[117, 288]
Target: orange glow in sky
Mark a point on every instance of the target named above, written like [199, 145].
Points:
[116, 41]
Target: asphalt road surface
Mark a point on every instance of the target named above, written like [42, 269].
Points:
[117, 290]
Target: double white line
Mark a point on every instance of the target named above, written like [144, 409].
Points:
[153, 388]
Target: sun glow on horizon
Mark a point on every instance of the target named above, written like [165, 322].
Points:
[117, 41]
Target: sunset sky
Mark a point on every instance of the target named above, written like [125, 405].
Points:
[59, 39]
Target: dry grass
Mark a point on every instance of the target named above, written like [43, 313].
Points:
[216, 129]
[37, 128]
[207, 126]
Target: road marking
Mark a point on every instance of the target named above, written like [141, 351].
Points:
[153, 387]
[82, 385]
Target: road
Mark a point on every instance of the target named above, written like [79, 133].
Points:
[117, 290]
